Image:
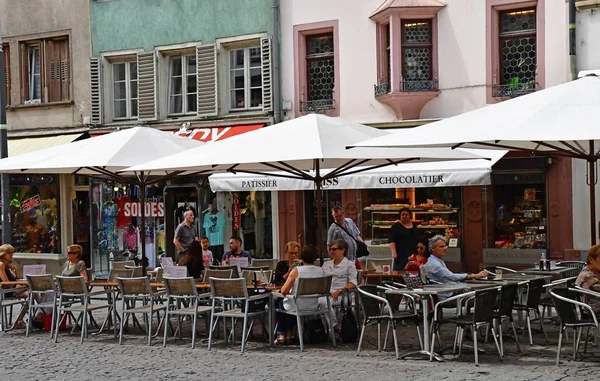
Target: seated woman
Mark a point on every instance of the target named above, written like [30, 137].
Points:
[287, 323]
[74, 266]
[193, 260]
[589, 277]
[290, 260]
[344, 277]
[10, 273]
[419, 257]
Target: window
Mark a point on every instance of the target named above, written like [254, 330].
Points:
[182, 85]
[125, 90]
[46, 71]
[320, 67]
[6, 49]
[245, 79]
[416, 55]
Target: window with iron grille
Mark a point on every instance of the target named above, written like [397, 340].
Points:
[182, 85]
[125, 90]
[416, 53]
[320, 66]
[517, 42]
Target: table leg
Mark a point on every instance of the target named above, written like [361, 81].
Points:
[426, 337]
[271, 312]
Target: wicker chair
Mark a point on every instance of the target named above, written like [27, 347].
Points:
[44, 288]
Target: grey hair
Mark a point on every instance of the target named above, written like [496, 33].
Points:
[434, 240]
[188, 212]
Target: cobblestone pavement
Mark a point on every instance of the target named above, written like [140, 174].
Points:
[100, 357]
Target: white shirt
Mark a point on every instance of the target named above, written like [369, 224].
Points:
[343, 273]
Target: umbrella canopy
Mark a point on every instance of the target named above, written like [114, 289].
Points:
[295, 148]
[560, 120]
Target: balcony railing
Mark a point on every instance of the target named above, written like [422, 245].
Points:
[513, 90]
[316, 106]
[382, 88]
[423, 85]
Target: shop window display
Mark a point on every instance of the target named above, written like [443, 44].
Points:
[34, 210]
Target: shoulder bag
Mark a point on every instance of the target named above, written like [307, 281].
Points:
[362, 250]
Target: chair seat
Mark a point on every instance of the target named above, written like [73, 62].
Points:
[302, 312]
[144, 309]
[12, 302]
[81, 308]
[586, 322]
[460, 320]
[190, 310]
[521, 307]
[398, 315]
[237, 313]
[546, 301]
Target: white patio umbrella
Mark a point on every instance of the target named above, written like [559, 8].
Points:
[103, 156]
[297, 147]
[561, 120]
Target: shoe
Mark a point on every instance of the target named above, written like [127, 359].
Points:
[280, 340]
[19, 325]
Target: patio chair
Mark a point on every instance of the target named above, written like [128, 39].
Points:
[378, 263]
[182, 291]
[234, 269]
[577, 266]
[570, 317]
[71, 290]
[508, 295]
[229, 292]
[9, 299]
[212, 273]
[44, 288]
[135, 290]
[271, 264]
[535, 288]
[121, 264]
[138, 271]
[376, 309]
[252, 276]
[482, 316]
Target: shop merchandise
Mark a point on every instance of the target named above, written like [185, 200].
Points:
[109, 224]
[213, 223]
[248, 229]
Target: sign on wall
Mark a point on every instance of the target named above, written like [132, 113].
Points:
[153, 209]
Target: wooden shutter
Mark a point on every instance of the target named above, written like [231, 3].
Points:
[206, 61]
[24, 72]
[56, 62]
[147, 108]
[6, 50]
[96, 89]
[267, 68]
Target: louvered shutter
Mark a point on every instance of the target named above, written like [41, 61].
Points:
[6, 50]
[206, 60]
[96, 89]
[57, 62]
[267, 67]
[147, 107]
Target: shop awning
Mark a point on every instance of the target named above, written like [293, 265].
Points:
[410, 175]
[20, 146]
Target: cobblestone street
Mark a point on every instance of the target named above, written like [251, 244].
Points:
[100, 357]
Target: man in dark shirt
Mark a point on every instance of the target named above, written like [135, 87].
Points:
[235, 250]
[185, 234]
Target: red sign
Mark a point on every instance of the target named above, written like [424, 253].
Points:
[236, 211]
[153, 209]
[212, 134]
[30, 203]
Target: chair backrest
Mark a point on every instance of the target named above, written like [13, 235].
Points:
[313, 286]
[369, 304]
[264, 276]
[138, 271]
[573, 264]
[485, 300]
[377, 264]
[534, 291]
[228, 288]
[159, 275]
[71, 285]
[212, 273]
[41, 283]
[180, 286]
[508, 294]
[271, 264]
[89, 273]
[565, 309]
[233, 268]
[134, 286]
[412, 281]
[122, 273]
[121, 264]
[423, 274]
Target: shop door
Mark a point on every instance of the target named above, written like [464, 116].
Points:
[81, 222]
[178, 199]
[330, 199]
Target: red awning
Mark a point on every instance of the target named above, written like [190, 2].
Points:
[207, 134]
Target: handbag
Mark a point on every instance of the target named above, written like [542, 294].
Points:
[349, 328]
[362, 250]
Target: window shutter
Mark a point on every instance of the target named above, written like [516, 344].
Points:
[6, 50]
[267, 83]
[65, 70]
[206, 61]
[24, 72]
[147, 108]
[96, 86]
[57, 64]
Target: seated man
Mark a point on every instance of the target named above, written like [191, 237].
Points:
[436, 269]
[589, 277]
[235, 246]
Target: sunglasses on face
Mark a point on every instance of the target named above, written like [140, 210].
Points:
[334, 248]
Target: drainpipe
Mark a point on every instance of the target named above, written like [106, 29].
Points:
[572, 42]
[276, 75]
[5, 192]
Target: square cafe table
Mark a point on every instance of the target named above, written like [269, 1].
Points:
[555, 272]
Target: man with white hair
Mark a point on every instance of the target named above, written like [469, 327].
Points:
[436, 269]
[185, 234]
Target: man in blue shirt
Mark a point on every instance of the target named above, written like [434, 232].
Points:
[235, 250]
[436, 269]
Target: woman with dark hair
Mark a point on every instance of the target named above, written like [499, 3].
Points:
[403, 239]
[419, 257]
[193, 260]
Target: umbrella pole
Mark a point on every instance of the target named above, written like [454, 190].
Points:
[319, 201]
[143, 224]
[592, 183]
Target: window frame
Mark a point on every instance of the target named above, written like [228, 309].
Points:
[247, 79]
[128, 99]
[184, 80]
[513, 35]
[418, 45]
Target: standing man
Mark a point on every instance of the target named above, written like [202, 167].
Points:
[346, 229]
[185, 234]
[235, 250]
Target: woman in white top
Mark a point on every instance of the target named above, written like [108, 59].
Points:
[287, 323]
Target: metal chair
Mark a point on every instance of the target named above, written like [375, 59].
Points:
[182, 291]
[570, 317]
[71, 289]
[9, 297]
[535, 288]
[308, 289]
[234, 269]
[122, 273]
[377, 309]
[135, 290]
[44, 288]
[121, 264]
[508, 294]
[229, 292]
[577, 266]
[271, 264]
[212, 273]
[378, 263]
[260, 276]
[138, 271]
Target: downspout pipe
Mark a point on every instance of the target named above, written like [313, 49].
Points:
[276, 74]
[572, 39]
[5, 178]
